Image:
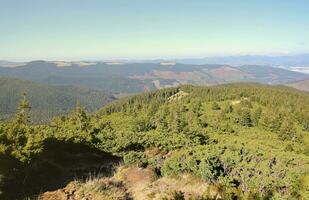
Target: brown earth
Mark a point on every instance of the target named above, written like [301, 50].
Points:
[133, 183]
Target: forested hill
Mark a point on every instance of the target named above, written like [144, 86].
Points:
[117, 77]
[47, 101]
[235, 141]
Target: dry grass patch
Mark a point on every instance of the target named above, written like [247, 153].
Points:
[165, 187]
[92, 189]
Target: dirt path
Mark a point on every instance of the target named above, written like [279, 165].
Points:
[138, 180]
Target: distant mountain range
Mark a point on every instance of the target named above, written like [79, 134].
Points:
[120, 77]
[288, 60]
[298, 62]
[47, 101]
[300, 85]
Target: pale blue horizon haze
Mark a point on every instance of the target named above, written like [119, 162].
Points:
[144, 29]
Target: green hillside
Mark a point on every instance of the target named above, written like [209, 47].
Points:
[236, 141]
[47, 101]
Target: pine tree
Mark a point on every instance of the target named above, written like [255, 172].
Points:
[197, 108]
[79, 117]
[22, 117]
[305, 122]
[245, 117]
[177, 122]
[287, 130]
[271, 120]
[257, 116]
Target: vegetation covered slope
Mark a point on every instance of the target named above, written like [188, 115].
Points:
[47, 101]
[138, 77]
[248, 141]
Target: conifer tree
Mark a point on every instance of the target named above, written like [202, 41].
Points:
[256, 116]
[22, 117]
[271, 120]
[245, 117]
[305, 122]
[79, 117]
[178, 123]
[287, 130]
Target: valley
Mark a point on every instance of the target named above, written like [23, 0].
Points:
[154, 100]
[139, 77]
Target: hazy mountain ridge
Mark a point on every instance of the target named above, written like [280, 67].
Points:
[300, 85]
[285, 60]
[138, 77]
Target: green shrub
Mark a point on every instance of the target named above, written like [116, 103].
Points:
[215, 106]
[138, 158]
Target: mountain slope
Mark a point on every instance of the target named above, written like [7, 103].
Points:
[300, 85]
[233, 141]
[138, 77]
[47, 101]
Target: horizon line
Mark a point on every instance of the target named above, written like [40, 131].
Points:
[163, 58]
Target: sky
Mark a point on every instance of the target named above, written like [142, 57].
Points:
[144, 29]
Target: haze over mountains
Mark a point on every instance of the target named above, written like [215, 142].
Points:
[154, 100]
[54, 87]
[301, 60]
[123, 77]
[300, 85]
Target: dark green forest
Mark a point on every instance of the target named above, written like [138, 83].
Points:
[249, 140]
[47, 101]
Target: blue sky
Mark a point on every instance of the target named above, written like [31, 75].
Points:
[110, 29]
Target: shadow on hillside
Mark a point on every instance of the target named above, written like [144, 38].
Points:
[59, 163]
